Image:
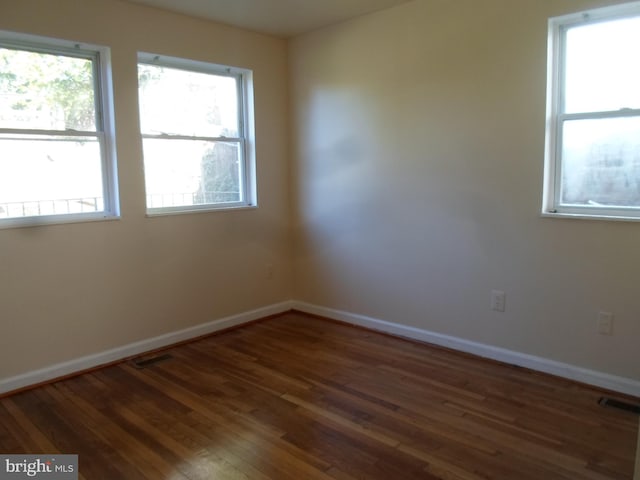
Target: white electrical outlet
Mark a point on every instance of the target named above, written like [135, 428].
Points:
[498, 300]
[605, 323]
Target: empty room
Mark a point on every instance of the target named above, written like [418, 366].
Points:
[302, 239]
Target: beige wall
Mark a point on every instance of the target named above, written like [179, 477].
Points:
[419, 143]
[418, 139]
[72, 290]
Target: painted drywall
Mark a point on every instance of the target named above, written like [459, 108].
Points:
[418, 151]
[72, 290]
[416, 185]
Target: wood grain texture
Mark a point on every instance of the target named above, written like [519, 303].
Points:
[298, 397]
[637, 469]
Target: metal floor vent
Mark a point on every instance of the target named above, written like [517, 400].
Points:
[146, 362]
[620, 405]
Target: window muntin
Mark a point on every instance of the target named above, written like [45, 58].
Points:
[57, 161]
[592, 164]
[194, 120]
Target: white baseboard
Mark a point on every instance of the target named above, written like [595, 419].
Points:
[604, 380]
[572, 372]
[136, 348]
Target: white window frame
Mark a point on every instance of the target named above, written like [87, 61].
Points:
[245, 140]
[105, 125]
[558, 26]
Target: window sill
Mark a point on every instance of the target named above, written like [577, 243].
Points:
[166, 213]
[584, 216]
[28, 222]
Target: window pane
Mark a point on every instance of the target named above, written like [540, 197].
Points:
[46, 91]
[603, 66]
[181, 102]
[191, 172]
[601, 162]
[45, 175]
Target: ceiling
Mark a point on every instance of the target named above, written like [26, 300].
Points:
[284, 18]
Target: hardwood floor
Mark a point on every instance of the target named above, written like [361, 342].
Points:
[637, 467]
[298, 397]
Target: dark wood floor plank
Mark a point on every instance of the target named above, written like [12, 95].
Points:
[234, 427]
[130, 448]
[27, 433]
[71, 437]
[299, 397]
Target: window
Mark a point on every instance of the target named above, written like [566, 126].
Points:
[57, 156]
[197, 132]
[592, 164]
